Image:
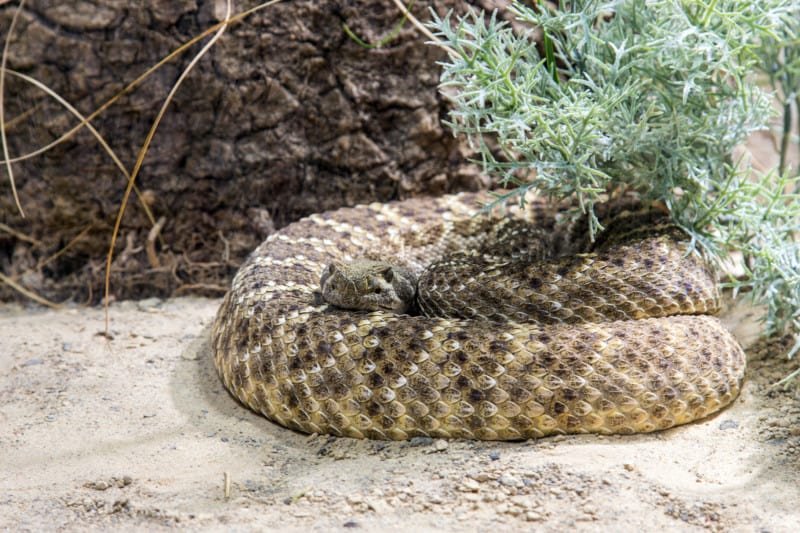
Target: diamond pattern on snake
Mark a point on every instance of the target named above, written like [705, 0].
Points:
[420, 318]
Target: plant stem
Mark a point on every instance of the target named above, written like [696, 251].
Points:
[786, 136]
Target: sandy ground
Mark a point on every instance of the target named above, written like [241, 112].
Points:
[137, 432]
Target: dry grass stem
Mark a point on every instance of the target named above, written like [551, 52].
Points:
[149, 139]
[3, 139]
[92, 129]
[150, 245]
[422, 29]
[66, 247]
[135, 83]
[22, 290]
[19, 235]
[201, 286]
[22, 117]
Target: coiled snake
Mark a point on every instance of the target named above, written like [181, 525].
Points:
[549, 335]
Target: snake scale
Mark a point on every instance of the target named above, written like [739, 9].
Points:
[616, 337]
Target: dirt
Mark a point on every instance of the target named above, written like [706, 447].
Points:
[137, 432]
[286, 115]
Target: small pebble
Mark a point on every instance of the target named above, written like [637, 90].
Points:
[508, 480]
[420, 441]
[470, 485]
[378, 505]
[149, 304]
[435, 499]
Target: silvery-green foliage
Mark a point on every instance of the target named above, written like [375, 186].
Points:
[650, 96]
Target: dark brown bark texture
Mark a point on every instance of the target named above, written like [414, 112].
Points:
[284, 117]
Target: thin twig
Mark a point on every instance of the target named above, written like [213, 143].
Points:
[383, 41]
[25, 292]
[146, 146]
[22, 117]
[66, 247]
[226, 253]
[58, 98]
[3, 139]
[421, 27]
[150, 244]
[19, 235]
[132, 85]
[204, 286]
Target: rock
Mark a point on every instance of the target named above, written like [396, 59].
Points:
[469, 485]
[420, 441]
[378, 505]
[507, 480]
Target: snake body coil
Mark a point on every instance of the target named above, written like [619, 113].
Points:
[618, 339]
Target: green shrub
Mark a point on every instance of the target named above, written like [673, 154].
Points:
[646, 96]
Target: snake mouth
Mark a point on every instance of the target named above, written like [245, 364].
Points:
[398, 307]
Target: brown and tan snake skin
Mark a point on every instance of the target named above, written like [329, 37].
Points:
[617, 339]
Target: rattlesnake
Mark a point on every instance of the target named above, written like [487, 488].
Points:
[591, 362]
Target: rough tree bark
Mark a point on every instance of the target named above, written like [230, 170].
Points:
[286, 116]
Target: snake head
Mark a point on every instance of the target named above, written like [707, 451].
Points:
[367, 285]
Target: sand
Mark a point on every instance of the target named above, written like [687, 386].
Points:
[137, 432]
